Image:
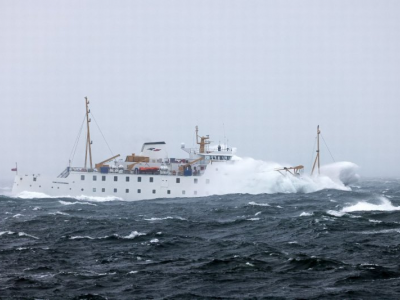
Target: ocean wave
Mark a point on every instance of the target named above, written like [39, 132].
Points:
[166, 218]
[37, 195]
[384, 205]
[21, 234]
[130, 236]
[258, 204]
[76, 202]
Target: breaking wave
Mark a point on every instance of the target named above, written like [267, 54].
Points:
[257, 177]
[383, 205]
[36, 195]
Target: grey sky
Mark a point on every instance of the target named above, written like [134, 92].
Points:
[270, 71]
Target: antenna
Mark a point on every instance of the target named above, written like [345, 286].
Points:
[317, 158]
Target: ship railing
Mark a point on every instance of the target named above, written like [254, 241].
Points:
[66, 172]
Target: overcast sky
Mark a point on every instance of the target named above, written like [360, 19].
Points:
[264, 72]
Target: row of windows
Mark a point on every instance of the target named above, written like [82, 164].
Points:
[139, 179]
[138, 191]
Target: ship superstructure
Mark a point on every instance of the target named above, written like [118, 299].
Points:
[150, 174]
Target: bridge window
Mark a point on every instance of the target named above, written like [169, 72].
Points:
[94, 177]
[139, 179]
[178, 180]
[115, 178]
[127, 178]
[103, 178]
[82, 177]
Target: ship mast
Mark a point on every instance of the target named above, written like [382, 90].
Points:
[88, 141]
[202, 142]
[317, 157]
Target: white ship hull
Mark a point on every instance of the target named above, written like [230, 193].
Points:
[132, 187]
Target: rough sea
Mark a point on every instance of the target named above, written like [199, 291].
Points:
[328, 244]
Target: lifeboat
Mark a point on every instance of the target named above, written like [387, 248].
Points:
[148, 169]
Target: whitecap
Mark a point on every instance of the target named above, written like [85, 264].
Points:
[258, 204]
[6, 232]
[384, 205]
[154, 241]
[166, 218]
[76, 202]
[133, 234]
[79, 237]
[336, 213]
[59, 213]
[374, 221]
[28, 235]
[17, 215]
[306, 214]
[253, 219]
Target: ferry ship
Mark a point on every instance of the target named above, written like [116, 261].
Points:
[149, 175]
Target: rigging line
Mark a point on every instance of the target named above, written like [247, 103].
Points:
[112, 154]
[72, 154]
[313, 151]
[328, 148]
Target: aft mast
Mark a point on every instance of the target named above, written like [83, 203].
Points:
[317, 158]
[88, 141]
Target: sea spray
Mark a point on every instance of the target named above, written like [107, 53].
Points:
[252, 176]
